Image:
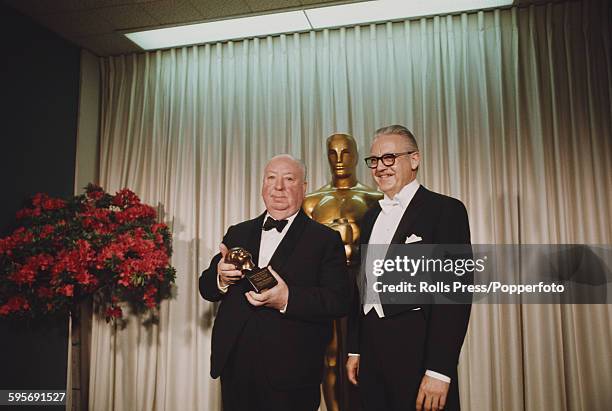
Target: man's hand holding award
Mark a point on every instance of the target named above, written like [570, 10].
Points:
[270, 290]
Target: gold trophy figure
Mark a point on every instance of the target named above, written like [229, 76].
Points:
[341, 205]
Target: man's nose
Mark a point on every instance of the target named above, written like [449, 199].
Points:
[279, 184]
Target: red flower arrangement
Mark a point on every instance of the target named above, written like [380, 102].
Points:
[95, 244]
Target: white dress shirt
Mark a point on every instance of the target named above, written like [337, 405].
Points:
[382, 233]
[270, 240]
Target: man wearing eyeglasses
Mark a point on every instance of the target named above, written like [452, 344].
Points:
[403, 356]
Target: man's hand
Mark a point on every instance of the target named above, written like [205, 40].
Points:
[228, 274]
[352, 368]
[432, 394]
[276, 297]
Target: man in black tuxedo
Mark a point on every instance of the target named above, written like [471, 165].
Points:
[268, 347]
[404, 357]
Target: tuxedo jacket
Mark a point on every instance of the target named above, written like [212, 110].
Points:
[311, 260]
[437, 219]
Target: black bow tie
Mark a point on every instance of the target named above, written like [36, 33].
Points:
[272, 223]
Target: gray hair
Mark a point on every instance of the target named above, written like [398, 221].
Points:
[401, 131]
[299, 162]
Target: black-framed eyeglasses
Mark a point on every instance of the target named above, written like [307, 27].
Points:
[388, 159]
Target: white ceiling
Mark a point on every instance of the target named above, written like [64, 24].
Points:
[97, 25]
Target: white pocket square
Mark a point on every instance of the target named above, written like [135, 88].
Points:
[413, 239]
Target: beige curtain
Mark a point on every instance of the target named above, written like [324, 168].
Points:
[512, 109]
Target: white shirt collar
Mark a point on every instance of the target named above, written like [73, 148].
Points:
[405, 195]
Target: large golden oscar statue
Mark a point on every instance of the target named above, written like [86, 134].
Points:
[340, 205]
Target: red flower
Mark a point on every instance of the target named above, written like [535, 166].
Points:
[114, 312]
[85, 278]
[20, 237]
[15, 303]
[124, 279]
[43, 201]
[53, 204]
[23, 213]
[96, 218]
[84, 251]
[28, 212]
[25, 275]
[46, 230]
[113, 250]
[94, 192]
[135, 212]
[56, 257]
[158, 227]
[38, 199]
[96, 195]
[27, 238]
[125, 198]
[40, 262]
[67, 290]
[75, 260]
[149, 297]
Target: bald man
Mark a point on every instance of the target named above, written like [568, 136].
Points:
[268, 347]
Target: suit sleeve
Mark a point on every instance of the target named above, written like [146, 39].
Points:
[448, 322]
[330, 299]
[208, 279]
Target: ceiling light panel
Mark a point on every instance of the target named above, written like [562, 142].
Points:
[390, 10]
[303, 20]
[239, 28]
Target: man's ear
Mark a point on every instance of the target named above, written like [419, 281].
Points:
[415, 160]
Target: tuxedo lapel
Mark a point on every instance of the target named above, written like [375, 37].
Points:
[288, 243]
[254, 239]
[368, 224]
[410, 216]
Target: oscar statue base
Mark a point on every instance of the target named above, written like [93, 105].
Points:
[261, 279]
